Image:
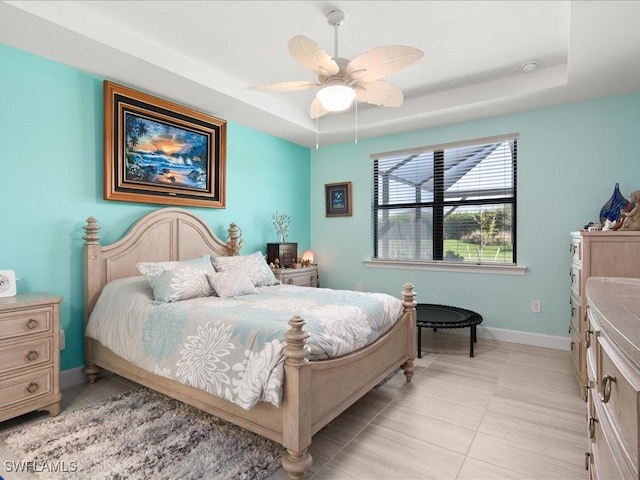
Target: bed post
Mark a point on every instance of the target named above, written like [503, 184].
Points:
[296, 414]
[92, 285]
[409, 302]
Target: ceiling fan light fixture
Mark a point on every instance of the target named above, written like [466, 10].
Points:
[336, 96]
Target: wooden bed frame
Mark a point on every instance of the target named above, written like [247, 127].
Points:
[315, 392]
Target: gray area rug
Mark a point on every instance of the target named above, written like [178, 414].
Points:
[144, 435]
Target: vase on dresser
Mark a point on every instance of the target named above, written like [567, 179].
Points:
[612, 207]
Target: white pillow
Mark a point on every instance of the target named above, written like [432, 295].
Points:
[254, 266]
[178, 280]
[231, 284]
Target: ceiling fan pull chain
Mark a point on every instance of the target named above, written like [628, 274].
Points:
[356, 142]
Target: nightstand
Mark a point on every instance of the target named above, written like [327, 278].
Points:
[29, 354]
[302, 277]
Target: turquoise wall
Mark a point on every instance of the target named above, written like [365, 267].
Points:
[569, 159]
[52, 174]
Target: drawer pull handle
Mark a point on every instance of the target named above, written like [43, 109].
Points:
[32, 323]
[605, 394]
[572, 345]
[32, 355]
[33, 387]
[587, 340]
[587, 455]
[592, 427]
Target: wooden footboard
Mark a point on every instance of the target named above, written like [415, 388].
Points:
[314, 393]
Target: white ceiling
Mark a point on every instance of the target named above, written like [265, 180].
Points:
[206, 53]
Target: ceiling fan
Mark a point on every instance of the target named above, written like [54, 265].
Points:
[341, 80]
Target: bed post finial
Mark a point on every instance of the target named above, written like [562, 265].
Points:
[296, 351]
[408, 297]
[91, 235]
[409, 302]
[234, 244]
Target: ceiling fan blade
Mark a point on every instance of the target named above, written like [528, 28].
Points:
[382, 61]
[284, 86]
[379, 93]
[317, 110]
[311, 56]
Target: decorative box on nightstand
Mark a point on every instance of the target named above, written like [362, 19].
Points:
[29, 354]
[302, 277]
[286, 253]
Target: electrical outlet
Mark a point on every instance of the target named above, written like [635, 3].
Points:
[536, 305]
[62, 340]
[358, 287]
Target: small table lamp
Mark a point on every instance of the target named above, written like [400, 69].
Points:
[307, 258]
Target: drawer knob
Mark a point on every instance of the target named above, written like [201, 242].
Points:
[33, 387]
[32, 355]
[32, 323]
[605, 393]
[592, 427]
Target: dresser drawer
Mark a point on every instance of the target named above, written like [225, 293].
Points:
[574, 276]
[27, 322]
[25, 354]
[26, 387]
[575, 249]
[576, 347]
[574, 306]
[308, 279]
[606, 462]
[619, 394]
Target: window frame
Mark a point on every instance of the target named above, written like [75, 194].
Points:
[439, 205]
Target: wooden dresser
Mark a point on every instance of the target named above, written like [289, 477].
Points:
[29, 354]
[302, 277]
[613, 369]
[600, 254]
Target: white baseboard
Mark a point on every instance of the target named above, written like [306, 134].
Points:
[514, 336]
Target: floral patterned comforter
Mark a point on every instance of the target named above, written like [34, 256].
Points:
[233, 348]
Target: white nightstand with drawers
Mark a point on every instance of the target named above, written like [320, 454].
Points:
[302, 277]
[29, 354]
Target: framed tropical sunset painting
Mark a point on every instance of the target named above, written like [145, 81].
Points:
[156, 151]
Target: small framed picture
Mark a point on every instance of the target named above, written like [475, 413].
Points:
[7, 283]
[338, 199]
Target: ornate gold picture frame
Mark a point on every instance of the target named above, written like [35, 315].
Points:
[156, 151]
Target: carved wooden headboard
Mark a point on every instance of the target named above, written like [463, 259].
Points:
[162, 235]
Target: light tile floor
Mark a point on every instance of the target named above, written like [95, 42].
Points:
[511, 412]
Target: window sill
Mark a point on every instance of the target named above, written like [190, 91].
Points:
[449, 267]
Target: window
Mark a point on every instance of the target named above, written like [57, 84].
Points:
[451, 203]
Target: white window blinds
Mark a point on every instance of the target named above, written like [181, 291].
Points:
[453, 203]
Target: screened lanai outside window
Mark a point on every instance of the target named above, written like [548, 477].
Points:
[454, 203]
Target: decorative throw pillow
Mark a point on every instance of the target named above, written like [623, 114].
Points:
[254, 266]
[231, 284]
[179, 280]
